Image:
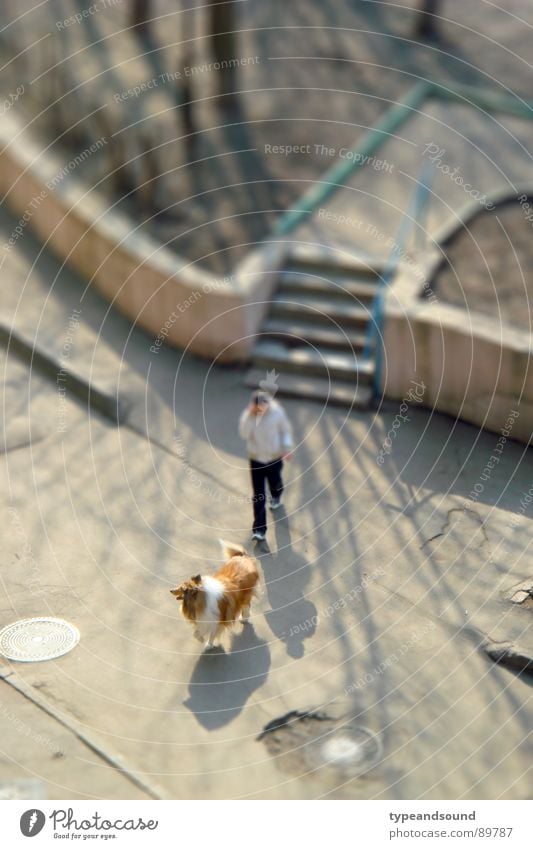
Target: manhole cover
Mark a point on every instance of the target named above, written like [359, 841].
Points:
[316, 742]
[350, 750]
[41, 638]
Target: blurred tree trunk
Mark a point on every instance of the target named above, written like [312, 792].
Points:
[426, 28]
[222, 23]
[140, 15]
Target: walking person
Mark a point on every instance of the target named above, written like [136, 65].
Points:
[268, 434]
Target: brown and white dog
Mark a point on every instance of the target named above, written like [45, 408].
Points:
[214, 602]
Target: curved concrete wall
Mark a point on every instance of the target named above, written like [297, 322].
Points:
[171, 299]
[471, 369]
[474, 367]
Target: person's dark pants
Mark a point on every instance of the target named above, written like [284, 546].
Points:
[261, 473]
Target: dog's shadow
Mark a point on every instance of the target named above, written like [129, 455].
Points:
[222, 682]
[292, 617]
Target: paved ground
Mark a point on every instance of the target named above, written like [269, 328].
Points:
[445, 143]
[478, 275]
[324, 76]
[384, 581]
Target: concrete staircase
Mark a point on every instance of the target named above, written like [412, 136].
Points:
[315, 333]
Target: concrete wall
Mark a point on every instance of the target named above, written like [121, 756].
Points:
[151, 285]
[474, 367]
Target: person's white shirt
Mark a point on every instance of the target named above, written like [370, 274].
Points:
[268, 435]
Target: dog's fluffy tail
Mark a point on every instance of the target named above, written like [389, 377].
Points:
[232, 549]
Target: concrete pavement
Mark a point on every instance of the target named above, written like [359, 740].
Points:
[383, 580]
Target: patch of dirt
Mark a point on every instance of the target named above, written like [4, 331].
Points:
[489, 267]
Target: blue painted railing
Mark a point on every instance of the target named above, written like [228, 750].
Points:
[412, 217]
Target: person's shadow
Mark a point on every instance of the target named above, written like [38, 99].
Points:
[292, 618]
[222, 682]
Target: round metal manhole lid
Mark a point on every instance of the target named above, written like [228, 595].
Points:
[40, 638]
[316, 743]
[349, 750]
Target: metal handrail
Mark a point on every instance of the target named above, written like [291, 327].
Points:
[337, 176]
[412, 216]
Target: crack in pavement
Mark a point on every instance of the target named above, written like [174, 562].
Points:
[448, 525]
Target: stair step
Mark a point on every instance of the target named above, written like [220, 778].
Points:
[309, 388]
[330, 286]
[303, 258]
[332, 364]
[321, 311]
[297, 333]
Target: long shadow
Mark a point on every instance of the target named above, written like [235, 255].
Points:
[435, 576]
[292, 618]
[435, 57]
[339, 527]
[222, 683]
[357, 629]
[228, 166]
